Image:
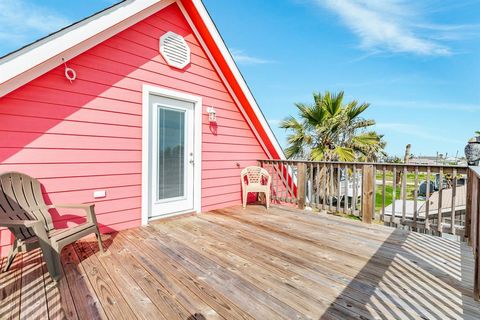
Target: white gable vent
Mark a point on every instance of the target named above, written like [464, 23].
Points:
[175, 50]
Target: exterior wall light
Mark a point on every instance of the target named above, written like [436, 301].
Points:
[212, 114]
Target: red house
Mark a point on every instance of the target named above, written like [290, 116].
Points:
[139, 109]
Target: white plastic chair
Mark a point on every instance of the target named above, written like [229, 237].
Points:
[253, 180]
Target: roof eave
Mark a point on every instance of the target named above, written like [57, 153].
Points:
[28, 63]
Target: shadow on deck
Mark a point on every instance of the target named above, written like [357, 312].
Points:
[414, 276]
[245, 264]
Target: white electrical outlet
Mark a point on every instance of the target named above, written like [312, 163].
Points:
[99, 194]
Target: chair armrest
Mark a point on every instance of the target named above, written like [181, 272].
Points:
[7, 223]
[89, 209]
[70, 206]
[36, 226]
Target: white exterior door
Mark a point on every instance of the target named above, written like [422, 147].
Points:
[172, 156]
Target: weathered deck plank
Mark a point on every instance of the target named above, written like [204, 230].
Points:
[86, 302]
[10, 289]
[304, 296]
[327, 274]
[139, 302]
[32, 296]
[59, 298]
[113, 301]
[175, 297]
[241, 292]
[182, 280]
[249, 264]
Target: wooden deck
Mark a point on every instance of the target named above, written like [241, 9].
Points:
[235, 263]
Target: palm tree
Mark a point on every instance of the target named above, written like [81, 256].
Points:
[477, 133]
[330, 130]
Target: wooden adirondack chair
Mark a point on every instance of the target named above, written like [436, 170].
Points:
[24, 212]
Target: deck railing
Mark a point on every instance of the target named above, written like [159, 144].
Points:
[434, 199]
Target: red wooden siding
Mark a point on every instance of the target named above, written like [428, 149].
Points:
[83, 136]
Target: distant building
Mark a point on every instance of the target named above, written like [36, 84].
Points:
[425, 160]
[434, 160]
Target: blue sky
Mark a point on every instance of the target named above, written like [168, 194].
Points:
[416, 62]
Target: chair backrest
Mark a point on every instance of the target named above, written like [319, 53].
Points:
[254, 175]
[21, 199]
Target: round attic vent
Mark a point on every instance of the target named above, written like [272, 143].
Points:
[175, 50]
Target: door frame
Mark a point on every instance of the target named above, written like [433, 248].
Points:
[147, 113]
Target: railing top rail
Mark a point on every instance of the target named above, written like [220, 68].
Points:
[377, 164]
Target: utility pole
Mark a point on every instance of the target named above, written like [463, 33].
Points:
[406, 158]
[400, 177]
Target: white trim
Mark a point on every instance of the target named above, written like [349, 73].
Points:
[171, 215]
[231, 63]
[32, 61]
[197, 181]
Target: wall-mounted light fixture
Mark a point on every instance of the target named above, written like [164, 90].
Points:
[212, 114]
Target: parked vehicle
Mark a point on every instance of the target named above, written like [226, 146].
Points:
[422, 188]
[435, 184]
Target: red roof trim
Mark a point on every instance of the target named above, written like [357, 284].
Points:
[227, 72]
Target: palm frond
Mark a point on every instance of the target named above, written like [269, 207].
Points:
[362, 123]
[314, 115]
[317, 154]
[354, 110]
[367, 138]
[345, 154]
[333, 103]
[291, 123]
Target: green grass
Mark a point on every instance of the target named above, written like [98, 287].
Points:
[389, 195]
[346, 216]
[410, 176]
[352, 217]
[389, 187]
[389, 190]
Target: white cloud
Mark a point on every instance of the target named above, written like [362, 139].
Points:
[393, 26]
[21, 20]
[241, 57]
